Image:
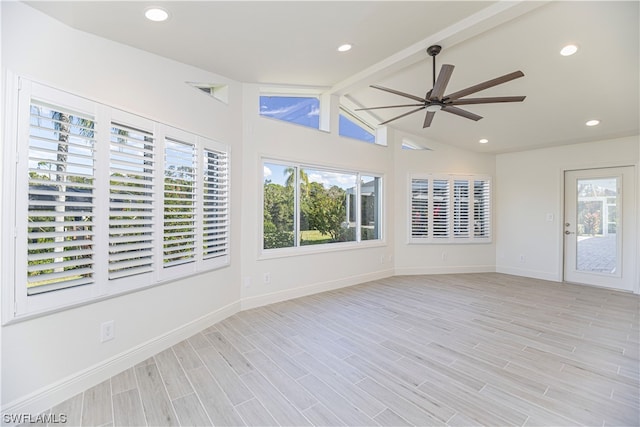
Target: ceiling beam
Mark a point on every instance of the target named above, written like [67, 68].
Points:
[492, 16]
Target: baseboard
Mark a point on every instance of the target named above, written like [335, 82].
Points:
[51, 395]
[412, 271]
[534, 274]
[279, 296]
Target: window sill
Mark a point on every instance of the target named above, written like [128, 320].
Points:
[265, 254]
[449, 241]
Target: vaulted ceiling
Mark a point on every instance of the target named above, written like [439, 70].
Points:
[295, 43]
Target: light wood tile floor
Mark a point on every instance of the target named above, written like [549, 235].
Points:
[459, 350]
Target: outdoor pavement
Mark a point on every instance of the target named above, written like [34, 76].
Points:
[597, 253]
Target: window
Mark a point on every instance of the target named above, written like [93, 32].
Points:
[106, 201]
[61, 204]
[370, 207]
[450, 209]
[309, 205]
[300, 110]
[351, 127]
[180, 214]
[408, 144]
[131, 208]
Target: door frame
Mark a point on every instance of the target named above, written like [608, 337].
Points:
[635, 273]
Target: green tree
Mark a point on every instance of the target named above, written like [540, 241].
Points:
[278, 216]
[327, 210]
[304, 178]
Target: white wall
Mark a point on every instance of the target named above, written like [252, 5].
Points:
[530, 187]
[298, 275]
[43, 359]
[47, 358]
[428, 258]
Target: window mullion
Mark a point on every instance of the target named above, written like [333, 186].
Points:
[296, 203]
[431, 210]
[160, 135]
[101, 210]
[472, 200]
[199, 208]
[358, 207]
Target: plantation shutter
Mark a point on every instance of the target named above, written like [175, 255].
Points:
[420, 208]
[440, 211]
[179, 203]
[215, 211]
[481, 209]
[461, 214]
[131, 209]
[60, 233]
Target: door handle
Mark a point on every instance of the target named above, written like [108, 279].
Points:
[569, 232]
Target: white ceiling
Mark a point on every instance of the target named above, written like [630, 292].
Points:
[294, 43]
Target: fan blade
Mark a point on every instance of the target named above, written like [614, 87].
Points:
[460, 112]
[490, 100]
[397, 92]
[441, 83]
[402, 115]
[428, 118]
[486, 85]
[388, 106]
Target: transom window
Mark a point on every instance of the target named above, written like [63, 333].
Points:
[307, 205]
[301, 110]
[449, 209]
[351, 127]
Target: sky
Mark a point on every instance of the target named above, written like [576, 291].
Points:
[276, 173]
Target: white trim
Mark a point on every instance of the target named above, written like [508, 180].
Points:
[9, 165]
[460, 269]
[16, 304]
[288, 294]
[59, 391]
[317, 249]
[292, 90]
[598, 165]
[306, 249]
[451, 238]
[50, 395]
[535, 274]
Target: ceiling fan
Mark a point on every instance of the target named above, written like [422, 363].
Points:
[435, 100]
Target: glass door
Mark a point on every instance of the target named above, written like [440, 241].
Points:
[599, 213]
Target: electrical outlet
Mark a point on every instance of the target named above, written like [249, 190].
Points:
[107, 332]
[267, 278]
[444, 256]
[246, 281]
[522, 258]
[381, 259]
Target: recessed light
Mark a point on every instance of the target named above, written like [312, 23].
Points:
[156, 14]
[483, 141]
[345, 47]
[593, 122]
[569, 50]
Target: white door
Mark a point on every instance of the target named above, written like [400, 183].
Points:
[600, 227]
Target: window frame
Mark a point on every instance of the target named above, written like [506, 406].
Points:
[451, 233]
[298, 249]
[17, 305]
